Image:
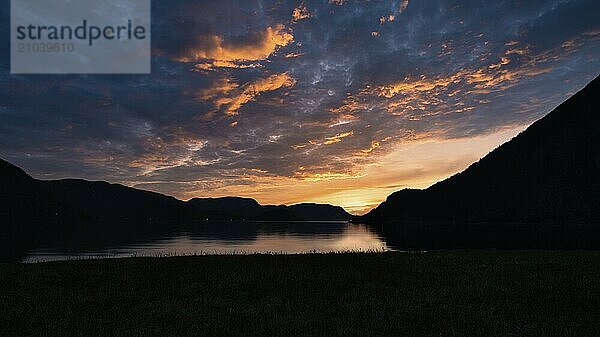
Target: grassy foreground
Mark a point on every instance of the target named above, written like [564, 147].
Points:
[391, 294]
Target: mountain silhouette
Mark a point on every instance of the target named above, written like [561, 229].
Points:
[99, 199]
[231, 207]
[550, 173]
[23, 198]
[249, 209]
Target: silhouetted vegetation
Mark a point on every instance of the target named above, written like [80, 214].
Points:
[482, 293]
[550, 173]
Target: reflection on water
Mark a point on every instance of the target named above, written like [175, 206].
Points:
[84, 240]
[216, 238]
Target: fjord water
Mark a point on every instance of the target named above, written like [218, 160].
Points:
[211, 238]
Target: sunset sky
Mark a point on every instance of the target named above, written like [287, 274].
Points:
[337, 101]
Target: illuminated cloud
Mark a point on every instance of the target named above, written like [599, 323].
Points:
[217, 51]
[422, 84]
[254, 89]
[337, 138]
[220, 87]
[300, 13]
[224, 93]
[292, 55]
[425, 96]
[212, 65]
[374, 145]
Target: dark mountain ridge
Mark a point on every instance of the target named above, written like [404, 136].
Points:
[99, 199]
[249, 209]
[548, 173]
[21, 195]
[23, 198]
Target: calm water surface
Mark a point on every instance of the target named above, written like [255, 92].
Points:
[217, 238]
[102, 240]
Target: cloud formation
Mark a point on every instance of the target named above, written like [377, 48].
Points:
[300, 13]
[217, 51]
[230, 97]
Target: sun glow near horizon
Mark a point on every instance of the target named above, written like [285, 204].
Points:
[417, 164]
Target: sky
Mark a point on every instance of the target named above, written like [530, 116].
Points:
[332, 101]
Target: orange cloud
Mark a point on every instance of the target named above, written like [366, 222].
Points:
[337, 138]
[503, 61]
[292, 55]
[300, 13]
[374, 145]
[422, 84]
[325, 176]
[253, 89]
[253, 47]
[224, 93]
[205, 66]
[220, 87]
[416, 98]
[485, 79]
